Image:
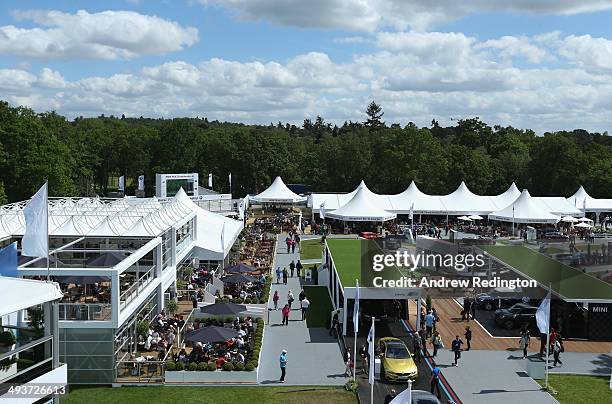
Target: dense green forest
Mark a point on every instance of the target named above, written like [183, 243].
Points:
[83, 156]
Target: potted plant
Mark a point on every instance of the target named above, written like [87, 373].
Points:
[7, 340]
[172, 307]
[142, 328]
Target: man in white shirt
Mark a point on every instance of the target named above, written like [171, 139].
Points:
[305, 305]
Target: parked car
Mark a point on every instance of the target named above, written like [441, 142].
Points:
[424, 397]
[516, 316]
[500, 298]
[555, 235]
[396, 361]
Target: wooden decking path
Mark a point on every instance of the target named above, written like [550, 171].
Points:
[451, 325]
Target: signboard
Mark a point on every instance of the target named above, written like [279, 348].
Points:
[600, 321]
[167, 185]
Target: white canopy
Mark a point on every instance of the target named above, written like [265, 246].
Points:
[583, 225]
[569, 219]
[464, 202]
[208, 232]
[361, 208]
[505, 199]
[582, 200]
[525, 209]
[558, 205]
[423, 203]
[335, 201]
[278, 192]
[18, 294]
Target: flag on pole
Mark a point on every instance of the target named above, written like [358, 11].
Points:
[543, 315]
[35, 241]
[412, 211]
[230, 181]
[122, 184]
[356, 309]
[371, 353]
[141, 183]
[322, 210]
[584, 204]
[223, 238]
[8, 261]
[210, 181]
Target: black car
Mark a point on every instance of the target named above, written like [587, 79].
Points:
[493, 300]
[516, 316]
[555, 235]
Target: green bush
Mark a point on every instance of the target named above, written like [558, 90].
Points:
[239, 367]
[7, 338]
[249, 367]
[179, 366]
[228, 367]
[142, 328]
[248, 300]
[229, 319]
[253, 363]
[170, 366]
[172, 307]
[211, 367]
[263, 300]
[202, 366]
[255, 354]
[192, 366]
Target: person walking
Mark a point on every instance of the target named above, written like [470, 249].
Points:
[305, 304]
[288, 242]
[429, 323]
[285, 275]
[543, 337]
[275, 299]
[557, 349]
[297, 241]
[334, 324]
[416, 348]
[286, 310]
[436, 341]
[283, 365]
[456, 348]
[292, 268]
[290, 298]
[423, 339]
[468, 337]
[302, 296]
[278, 274]
[436, 317]
[434, 383]
[524, 342]
[292, 246]
[389, 397]
[298, 268]
[397, 310]
[349, 365]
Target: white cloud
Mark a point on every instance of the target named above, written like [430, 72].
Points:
[103, 35]
[371, 15]
[415, 76]
[587, 52]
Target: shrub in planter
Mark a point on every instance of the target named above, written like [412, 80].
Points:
[228, 367]
[193, 366]
[248, 300]
[249, 367]
[229, 319]
[239, 367]
[255, 354]
[170, 366]
[142, 328]
[211, 367]
[172, 307]
[202, 366]
[253, 363]
[7, 338]
[262, 301]
[179, 366]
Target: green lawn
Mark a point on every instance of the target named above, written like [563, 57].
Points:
[580, 389]
[320, 306]
[311, 249]
[213, 395]
[565, 280]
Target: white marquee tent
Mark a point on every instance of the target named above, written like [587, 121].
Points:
[423, 203]
[361, 208]
[525, 209]
[277, 192]
[464, 202]
[506, 198]
[558, 205]
[585, 202]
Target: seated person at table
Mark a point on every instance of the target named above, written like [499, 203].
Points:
[240, 357]
[220, 362]
[239, 342]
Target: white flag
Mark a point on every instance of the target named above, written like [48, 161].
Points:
[210, 181]
[543, 315]
[122, 183]
[35, 242]
[356, 309]
[141, 182]
[322, 210]
[371, 352]
[412, 211]
[584, 204]
[230, 181]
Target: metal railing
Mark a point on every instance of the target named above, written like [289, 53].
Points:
[26, 358]
[133, 371]
[180, 334]
[85, 311]
[132, 292]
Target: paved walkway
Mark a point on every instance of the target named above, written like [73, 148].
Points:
[314, 358]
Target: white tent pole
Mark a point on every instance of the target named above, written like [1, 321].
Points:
[548, 337]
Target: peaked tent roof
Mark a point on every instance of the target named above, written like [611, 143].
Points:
[585, 202]
[558, 205]
[362, 208]
[423, 203]
[506, 198]
[209, 228]
[278, 192]
[464, 202]
[336, 201]
[525, 209]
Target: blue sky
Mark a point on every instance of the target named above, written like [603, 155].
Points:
[262, 61]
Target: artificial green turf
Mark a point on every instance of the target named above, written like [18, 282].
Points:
[318, 315]
[213, 395]
[565, 280]
[311, 249]
[346, 254]
[572, 389]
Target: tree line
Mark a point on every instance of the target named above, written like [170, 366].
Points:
[85, 156]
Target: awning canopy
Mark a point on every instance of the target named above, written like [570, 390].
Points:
[558, 205]
[361, 208]
[525, 209]
[585, 202]
[278, 192]
[18, 294]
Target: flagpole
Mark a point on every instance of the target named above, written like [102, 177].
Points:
[355, 315]
[548, 338]
[372, 362]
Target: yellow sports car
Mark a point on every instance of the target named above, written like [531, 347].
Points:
[396, 361]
